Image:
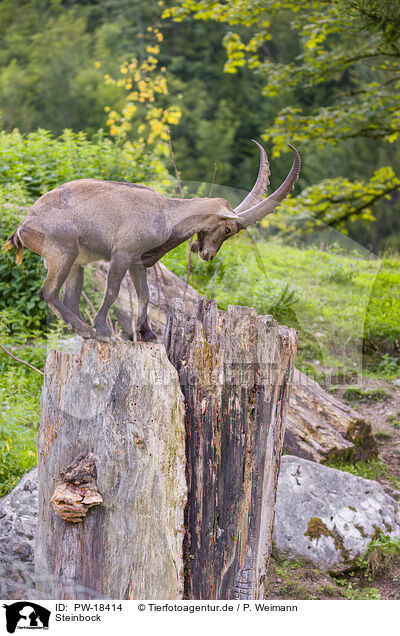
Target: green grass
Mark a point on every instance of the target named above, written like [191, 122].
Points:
[374, 469]
[20, 389]
[340, 304]
[355, 394]
[380, 555]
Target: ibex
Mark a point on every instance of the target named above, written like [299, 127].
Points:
[132, 227]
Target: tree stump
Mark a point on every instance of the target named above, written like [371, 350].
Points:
[112, 429]
[235, 370]
[319, 426]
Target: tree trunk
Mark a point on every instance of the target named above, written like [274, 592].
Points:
[235, 370]
[112, 429]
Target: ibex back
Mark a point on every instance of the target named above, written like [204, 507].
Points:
[132, 227]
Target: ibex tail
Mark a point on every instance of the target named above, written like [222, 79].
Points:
[14, 242]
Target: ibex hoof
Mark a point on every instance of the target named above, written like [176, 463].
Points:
[148, 336]
[102, 338]
[86, 333]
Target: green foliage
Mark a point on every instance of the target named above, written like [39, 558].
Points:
[355, 394]
[328, 73]
[382, 318]
[352, 593]
[334, 202]
[19, 407]
[298, 580]
[380, 555]
[332, 72]
[388, 366]
[375, 469]
[332, 43]
[55, 57]
[238, 277]
[328, 293]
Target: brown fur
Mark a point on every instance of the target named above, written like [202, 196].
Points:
[131, 226]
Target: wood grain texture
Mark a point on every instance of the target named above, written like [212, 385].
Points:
[122, 402]
[235, 370]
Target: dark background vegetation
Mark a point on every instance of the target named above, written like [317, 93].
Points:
[325, 74]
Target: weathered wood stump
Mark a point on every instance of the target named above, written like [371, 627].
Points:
[235, 370]
[112, 428]
[319, 426]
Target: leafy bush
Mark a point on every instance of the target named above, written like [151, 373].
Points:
[38, 162]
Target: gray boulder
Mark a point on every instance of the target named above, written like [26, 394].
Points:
[327, 517]
[323, 516]
[18, 520]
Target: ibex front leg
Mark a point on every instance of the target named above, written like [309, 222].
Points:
[119, 264]
[139, 278]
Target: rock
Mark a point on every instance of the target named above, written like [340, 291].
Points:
[18, 520]
[322, 428]
[313, 507]
[328, 517]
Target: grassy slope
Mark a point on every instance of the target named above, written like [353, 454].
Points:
[338, 300]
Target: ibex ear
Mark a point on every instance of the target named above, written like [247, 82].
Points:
[226, 214]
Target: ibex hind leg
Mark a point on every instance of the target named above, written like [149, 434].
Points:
[72, 290]
[59, 263]
[119, 264]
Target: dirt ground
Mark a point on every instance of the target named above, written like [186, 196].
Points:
[379, 401]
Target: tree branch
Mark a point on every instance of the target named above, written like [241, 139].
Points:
[21, 361]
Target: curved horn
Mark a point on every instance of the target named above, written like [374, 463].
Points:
[260, 186]
[268, 205]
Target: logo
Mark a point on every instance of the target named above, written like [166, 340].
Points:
[26, 615]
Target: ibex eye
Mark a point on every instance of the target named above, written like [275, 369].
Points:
[227, 230]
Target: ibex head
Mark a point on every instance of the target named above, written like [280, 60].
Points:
[210, 240]
[252, 209]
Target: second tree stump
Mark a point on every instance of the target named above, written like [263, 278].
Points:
[235, 371]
